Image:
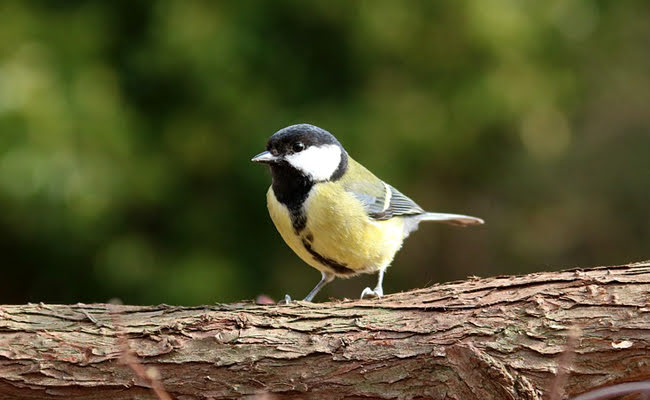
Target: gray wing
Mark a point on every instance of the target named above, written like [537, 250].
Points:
[384, 202]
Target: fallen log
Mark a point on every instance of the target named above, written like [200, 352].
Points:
[544, 335]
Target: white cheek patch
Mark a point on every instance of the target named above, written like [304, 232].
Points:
[318, 162]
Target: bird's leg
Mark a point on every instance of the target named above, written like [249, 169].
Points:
[327, 278]
[378, 291]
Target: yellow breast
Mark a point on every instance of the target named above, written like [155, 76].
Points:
[338, 230]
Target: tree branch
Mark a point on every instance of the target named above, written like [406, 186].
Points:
[494, 338]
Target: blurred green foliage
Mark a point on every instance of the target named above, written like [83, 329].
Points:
[126, 130]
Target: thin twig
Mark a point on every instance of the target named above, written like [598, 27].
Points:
[150, 375]
[564, 364]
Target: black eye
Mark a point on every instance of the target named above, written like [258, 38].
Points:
[298, 147]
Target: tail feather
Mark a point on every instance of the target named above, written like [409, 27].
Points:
[453, 219]
[411, 223]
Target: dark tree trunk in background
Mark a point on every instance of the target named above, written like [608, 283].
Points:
[544, 335]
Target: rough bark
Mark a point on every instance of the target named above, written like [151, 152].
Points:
[510, 337]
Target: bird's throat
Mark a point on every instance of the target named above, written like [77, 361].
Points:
[290, 186]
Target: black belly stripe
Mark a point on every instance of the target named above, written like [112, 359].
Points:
[298, 219]
[338, 267]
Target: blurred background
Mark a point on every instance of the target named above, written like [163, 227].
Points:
[127, 128]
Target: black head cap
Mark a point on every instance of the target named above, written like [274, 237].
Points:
[299, 137]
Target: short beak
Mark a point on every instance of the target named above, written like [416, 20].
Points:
[265, 158]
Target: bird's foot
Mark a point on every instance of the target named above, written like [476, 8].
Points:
[286, 300]
[372, 294]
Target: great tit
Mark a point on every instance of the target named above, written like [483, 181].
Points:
[335, 214]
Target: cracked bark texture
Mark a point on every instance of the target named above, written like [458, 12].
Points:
[495, 338]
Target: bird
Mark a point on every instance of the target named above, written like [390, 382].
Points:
[335, 214]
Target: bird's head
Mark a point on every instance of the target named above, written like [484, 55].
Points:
[308, 149]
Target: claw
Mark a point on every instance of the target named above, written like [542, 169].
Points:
[286, 300]
[371, 294]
